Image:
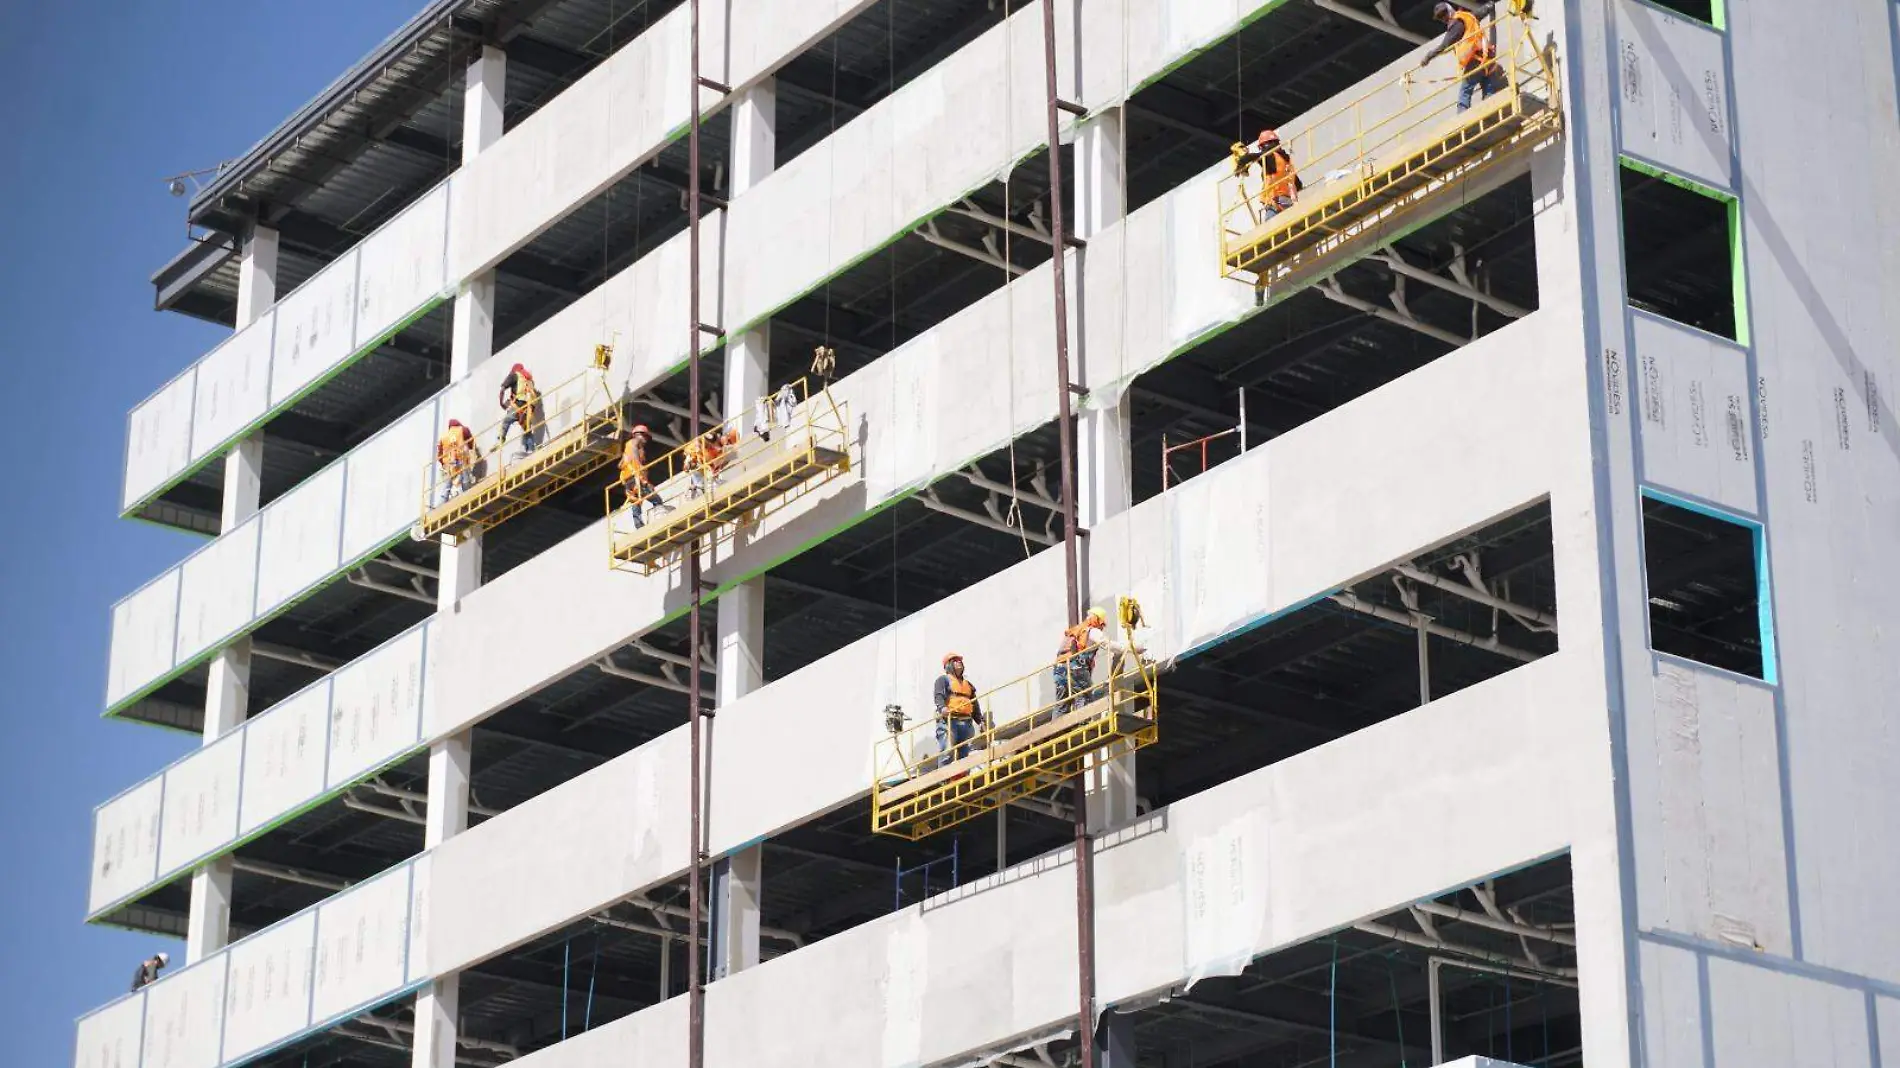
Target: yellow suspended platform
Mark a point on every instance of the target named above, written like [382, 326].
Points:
[1394, 150]
[577, 427]
[793, 443]
[1028, 745]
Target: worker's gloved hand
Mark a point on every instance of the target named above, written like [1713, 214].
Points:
[1427, 61]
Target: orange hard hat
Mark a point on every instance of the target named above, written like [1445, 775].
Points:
[456, 423]
[948, 657]
[640, 428]
[518, 369]
[1269, 134]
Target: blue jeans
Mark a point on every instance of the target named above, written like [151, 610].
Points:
[1277, 205]
[646, 494]
[1072, 680]
[1485, 80]
[962, 729]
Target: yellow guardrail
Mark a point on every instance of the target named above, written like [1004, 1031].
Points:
[1402, 138]
[790, 442]
[938, 772]
[570, 430]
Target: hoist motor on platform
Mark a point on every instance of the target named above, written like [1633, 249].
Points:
[705, 491]
[549, 440]
[1369, 169]
[927, 778]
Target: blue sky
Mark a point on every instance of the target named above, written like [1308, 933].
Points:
[104, 101]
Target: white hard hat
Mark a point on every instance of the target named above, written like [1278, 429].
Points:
[164, 958]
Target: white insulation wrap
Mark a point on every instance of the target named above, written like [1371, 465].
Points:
[267, 992]
[283, 756]
[216, 591]
[384, 493]
[184, 1015]
[1697, 423]
[376, 707]
[362, 939]
[1224, 885]
[125, 844]
[201, 802]
[615, 117]
[1708, 837]
[1673, 81]
[403, 266]
[109, 1038]
[314, 329]
[301, 532]
[233, 388]
[946, 132]
[144, 632]
[158, 438]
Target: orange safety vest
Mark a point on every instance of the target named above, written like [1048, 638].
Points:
[707, 449]
[1074, 640]
[452, 451]
[633, 467]
[962, 700]
[1282, 179]
[1474, 47]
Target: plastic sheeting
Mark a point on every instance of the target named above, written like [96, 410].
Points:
[403, 267]
[283, 756]
[201, 802]
[233, 388]
[1224, 883]
[1698, 425]
[362, 940]
[216, 591]
[267, 991]
[144, 633]
[1673, 81]
[376, 707]
[315, 325]
[158, 438]
[125, 843]
[301, 533]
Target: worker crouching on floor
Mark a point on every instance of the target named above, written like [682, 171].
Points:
[1280, 179]
[958, 712]
[521, 406]
[708, 456]
[1477, 55]
[634, 478]
[456, 458]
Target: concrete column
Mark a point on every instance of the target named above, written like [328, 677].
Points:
[228, 678]
[1104, 440]
[471, 341]
[734, 932]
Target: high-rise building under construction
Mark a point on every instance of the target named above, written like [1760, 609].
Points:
[892, 533]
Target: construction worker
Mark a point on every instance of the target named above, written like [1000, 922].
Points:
[959, 713]
[708, 455]
[149, 969]
[1280, 179]
[634, 478]
[1075, 662]
[520, 406]
[456, 456]
[1477, 54]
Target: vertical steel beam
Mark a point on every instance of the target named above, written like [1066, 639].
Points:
[1065, 429]
[695, 991]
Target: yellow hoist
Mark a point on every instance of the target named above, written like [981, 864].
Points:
[551, 440]
[703, 492]
[1392, 157]
[928, 779]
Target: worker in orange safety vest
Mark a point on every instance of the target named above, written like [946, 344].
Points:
[708, 455]
[959, 713]
[521, 406]
[1477, 55]
[634, 478]
[1075, 661]
[1280, 179]
[456, 456]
